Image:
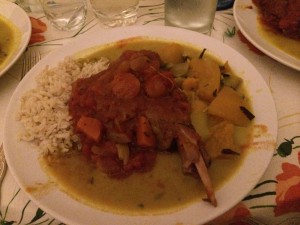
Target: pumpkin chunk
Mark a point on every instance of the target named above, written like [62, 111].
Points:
[208, 74]
[171, 53]
[227, 105]
[220, 139]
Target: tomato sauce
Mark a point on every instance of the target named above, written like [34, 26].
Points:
[134, 88]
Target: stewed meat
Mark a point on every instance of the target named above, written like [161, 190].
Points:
[127, 113]
[281, 15]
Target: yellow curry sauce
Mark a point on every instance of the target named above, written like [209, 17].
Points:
[9, 40]
[285, 44]
[162, 190]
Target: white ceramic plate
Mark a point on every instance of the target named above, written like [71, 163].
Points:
[247, 22]
[17, 16]
[24, 165]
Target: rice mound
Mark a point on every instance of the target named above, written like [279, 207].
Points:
[44, 111]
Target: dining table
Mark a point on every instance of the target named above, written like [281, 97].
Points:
[275, 200]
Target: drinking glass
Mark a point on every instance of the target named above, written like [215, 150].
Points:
[114, 13]
[65, 15]
[30, 6]
[197, 15]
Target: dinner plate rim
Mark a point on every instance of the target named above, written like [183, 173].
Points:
[252, 34]
[6, 9]
[109, 36]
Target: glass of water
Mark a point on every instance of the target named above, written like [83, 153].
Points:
[197, 15]
[30, 6]
[65, 15]
[113, 13]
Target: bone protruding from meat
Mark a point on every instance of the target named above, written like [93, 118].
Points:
[188, 143]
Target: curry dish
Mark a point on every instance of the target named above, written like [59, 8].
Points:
[279, 22]
[156, 128]
[290, 46]
[282, 16]
[9, 40]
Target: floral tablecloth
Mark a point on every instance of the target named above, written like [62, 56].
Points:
[276, 198]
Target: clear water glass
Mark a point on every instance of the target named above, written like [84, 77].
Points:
[30, 6]
[197, 15]
[65, 15]
[113, 13]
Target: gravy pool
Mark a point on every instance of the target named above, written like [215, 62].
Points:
[162, 190]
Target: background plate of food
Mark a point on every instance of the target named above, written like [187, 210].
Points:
[176, 129]
[15, 31]
[275, 35]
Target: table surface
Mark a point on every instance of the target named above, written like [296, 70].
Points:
[276, 198]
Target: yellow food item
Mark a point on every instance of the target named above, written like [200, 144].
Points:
[208, 73]
[171, 53]
[190, 84]
[229, 78]
[199, 118]
[227, 105]
[222, 137]
[10, 37]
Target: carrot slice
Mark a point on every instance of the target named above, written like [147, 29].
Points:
[91, 127]
[144, 134]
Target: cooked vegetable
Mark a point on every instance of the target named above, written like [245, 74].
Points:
[199, 118]
[123, 152]
[91, 127]
[171, 53]
[231, 80]
[208, 74]
[144, 135]
[190, 84]
[180, 69]
[227, 106]
[222, 137]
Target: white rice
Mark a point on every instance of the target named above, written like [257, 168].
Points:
[44, 111]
